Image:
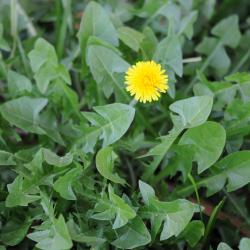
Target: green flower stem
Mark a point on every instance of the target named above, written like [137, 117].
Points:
[133, 103]
[190, 177]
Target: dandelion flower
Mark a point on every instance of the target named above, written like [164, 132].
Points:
[146, 81]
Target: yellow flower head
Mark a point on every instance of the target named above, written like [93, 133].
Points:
[146, 80]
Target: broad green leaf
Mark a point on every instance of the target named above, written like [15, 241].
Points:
[53, 159]
[243, 83]
[18, 195]
[89, 238]
[113, 207]
[133, 235]
[173, 14]
[6, 158]
[95, 41]
[18, 84]
[124, 212]
[228, 31]
[177, 216]
[105, 159]
[180, 161]
[56, 237]
[131, 37]
[147, 191]
[110, 123]
[96, 22]
[43, 53]
[44, 63]
[236, 118]
[193, 232]
[219, 60]
[49, 124]
[174, 215]
[208, 8]
[48, 73]
[36, 164]
[148, 44]
[169, 53]
[151, 8]
[244, 244]
[45, 76]
[223, 92]
[104, 63]
[233, 170]
[186, 25]
[64, 183]
[223, 246]
[24, 113]
[193, 111]
[63, 92]
[104, 210]
[14, 232]
[207, 141]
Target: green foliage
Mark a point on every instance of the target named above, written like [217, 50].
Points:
[105, 163]
[207, 142]
[130, 37]
[63, 185]
[227, 34]
[84, 166]
[44, 63]
[54, 160]
[133, 235]
[193, 232]
[104, 63]
[193, 111]
[173, 215]
[110, 123]
[14, 232]
[24, 113]
[96, 22]
[6, 158]
[55, 237]
[18, 84]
